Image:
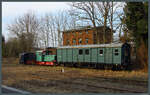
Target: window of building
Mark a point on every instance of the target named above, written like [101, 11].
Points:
[80, 33]
[86, 31]
[67, 34]
[74, 41]
[67, 42]
[73, 33]
[86, 40]
[101, 52]
[94, 38]
[116, 52]
[80, 51]
[87, 51]
[80, 40]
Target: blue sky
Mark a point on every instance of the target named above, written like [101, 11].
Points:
[11, 10]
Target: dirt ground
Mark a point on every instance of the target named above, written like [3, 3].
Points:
[48, 79]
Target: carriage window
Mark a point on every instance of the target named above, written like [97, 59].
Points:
[80, 52]
[40, 53]
[87, 52]
[100, 52]
[49, 52]
[44, 53]
[116, 52]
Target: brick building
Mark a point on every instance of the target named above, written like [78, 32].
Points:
[86, 35]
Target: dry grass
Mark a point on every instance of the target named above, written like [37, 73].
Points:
[22, 76]
[73, 72]
[142, 53]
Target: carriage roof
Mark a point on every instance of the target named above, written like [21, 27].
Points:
[94, 46]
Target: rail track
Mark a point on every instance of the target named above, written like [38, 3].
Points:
[102, 87]
[131, 81]
[83, 85]
[94, 84]
[122, 81]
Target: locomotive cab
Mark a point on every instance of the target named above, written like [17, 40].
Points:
[46, 57]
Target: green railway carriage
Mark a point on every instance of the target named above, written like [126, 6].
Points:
[97, 55]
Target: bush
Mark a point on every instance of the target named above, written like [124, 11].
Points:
[142, 56]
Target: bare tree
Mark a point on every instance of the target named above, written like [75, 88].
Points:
[51, 28]
[72, 22]
[103, 9]
[61, 24]
[84, 11]
[93, 12]
[46, 30]
[97, 13]
[25, 28]
[115, 17]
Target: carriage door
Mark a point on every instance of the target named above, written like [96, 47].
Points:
[126, 54]
[117, 55]
[108, 55]
[80, 55]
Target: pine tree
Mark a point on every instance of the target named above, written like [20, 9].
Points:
[136, 19]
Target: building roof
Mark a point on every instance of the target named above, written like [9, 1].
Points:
[85, 28]
[94, 46]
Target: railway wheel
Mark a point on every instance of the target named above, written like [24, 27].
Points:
[122, 67]
[78, 65]
[102, 66]
[105, 67]
[75, 65]
[114, 68]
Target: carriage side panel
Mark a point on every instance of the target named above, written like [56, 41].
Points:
[64, 55]
[75, 55]
[117, 55]
[100, 55]
[69, 55]
[80, 55]
[94, 55]
[108, 55]
[87, 55]
[59, 55]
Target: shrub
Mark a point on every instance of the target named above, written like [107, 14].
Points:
[142, 56]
